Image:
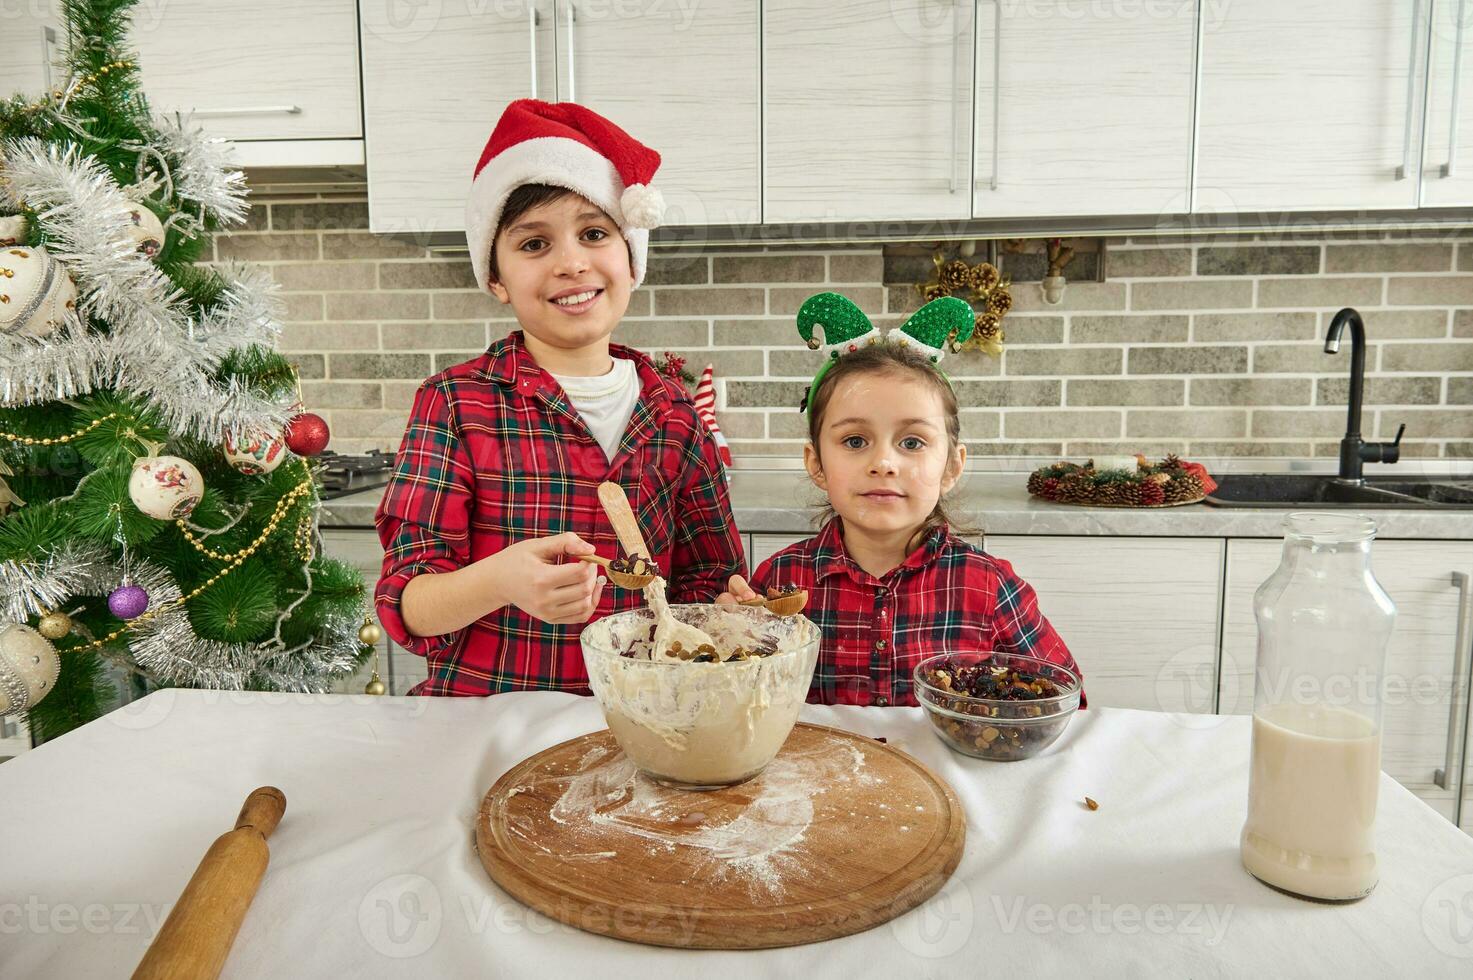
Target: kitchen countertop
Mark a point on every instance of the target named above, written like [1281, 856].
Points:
[374, 872]
[782, 501]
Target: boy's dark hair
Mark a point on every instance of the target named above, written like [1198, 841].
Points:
[888, 357]
[519, 202]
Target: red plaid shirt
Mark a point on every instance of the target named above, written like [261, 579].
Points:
[946, 597]
[495, 454]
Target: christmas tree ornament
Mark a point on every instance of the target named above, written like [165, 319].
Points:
[127, 601]
[705, 400]
[146, 230]
[8, 497]
[255, 455]
[306, 434]
[29, 667]
[166, 488]
[12, 229]
[370, 633]
[55, 625]
[36, 292]
[375, 686]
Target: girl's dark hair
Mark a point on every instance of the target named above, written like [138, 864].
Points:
[888, 357]
[523, 199]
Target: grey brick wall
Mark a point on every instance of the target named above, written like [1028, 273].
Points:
[1207, 347]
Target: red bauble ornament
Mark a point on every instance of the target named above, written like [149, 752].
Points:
[306, 434]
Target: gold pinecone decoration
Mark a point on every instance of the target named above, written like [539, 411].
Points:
[999, 301]
[1130, 494]
[954, 275]
[983, 277]
[930, 291]
[1075, 488]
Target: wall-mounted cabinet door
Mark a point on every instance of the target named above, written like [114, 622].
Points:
[264, 70]
[1447, 160]
[682, 78]
[1312, 105]
[1140, 615]
[1083, 111]
[32, 50]
[435, 79]
[1426, 653]
[867, 109]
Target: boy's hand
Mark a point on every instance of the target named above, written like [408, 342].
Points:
[737, 590]
[530, 578]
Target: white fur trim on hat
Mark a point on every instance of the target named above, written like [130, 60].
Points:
[551, 160]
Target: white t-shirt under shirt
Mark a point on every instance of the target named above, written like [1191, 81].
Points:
[606, 402]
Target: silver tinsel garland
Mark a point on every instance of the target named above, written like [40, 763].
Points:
[166, 648]
[154, 348]
[202, 174]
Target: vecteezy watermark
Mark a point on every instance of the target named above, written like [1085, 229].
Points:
[35, 917]
[1099, 917]
[1447, 917]
[401, 916]
[939, 927]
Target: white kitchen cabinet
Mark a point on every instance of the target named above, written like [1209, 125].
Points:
[1312, 105]
[398, 668]
[264, 70]
[32, 49]
[15, 738]
[1447, 180]
[432, 95]
[682, 78]
[764, 546]
[1083, 113]
[1140, 615]
[867, 109]
[1426, 651]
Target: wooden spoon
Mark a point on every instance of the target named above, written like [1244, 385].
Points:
[783, 605]
[669, 631]
[624, 580]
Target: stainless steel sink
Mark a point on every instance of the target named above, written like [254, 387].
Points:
[1314, 490]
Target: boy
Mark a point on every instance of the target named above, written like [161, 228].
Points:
[495, 488]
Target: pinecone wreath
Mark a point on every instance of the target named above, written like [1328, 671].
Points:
[1171, 481]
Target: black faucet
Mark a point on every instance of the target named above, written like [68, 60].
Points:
[1353, 449]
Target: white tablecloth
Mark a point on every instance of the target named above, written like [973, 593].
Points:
[373, 870]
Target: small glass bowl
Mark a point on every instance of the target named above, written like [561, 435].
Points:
[992, 728]
[702, 726]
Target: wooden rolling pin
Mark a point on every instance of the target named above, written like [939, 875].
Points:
[199, 931]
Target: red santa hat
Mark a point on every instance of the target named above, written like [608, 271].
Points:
[565, 145]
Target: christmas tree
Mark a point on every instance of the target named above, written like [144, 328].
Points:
[158, 504]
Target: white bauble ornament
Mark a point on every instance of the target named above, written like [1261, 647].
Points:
[12, 229]
[28, 667]
[36, 292]
[165, 487]
[255, 456]
[146, 230]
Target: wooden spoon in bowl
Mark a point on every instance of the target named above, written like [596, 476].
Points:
[670, 633]
[783, 605]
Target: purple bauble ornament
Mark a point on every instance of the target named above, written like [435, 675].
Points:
[128, 602]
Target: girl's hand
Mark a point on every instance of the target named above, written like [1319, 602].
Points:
[529, 576]
[737, 590]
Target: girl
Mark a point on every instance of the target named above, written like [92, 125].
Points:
[889, 582]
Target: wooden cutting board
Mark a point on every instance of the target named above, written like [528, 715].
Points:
[839, 834]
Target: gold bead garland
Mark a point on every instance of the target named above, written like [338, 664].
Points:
[58, 440]
[282, 506]
[85, 80]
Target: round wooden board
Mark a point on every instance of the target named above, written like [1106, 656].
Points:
[839, 834]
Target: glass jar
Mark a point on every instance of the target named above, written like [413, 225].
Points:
[1323, 625]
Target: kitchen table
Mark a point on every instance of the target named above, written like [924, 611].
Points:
[373, 871]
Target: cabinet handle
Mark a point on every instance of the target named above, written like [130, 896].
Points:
[48, 38]
[996, 86]
[1406, 136]
[532, 42]
[1452, 123]
[250, 110]
[1451, 773]
[572, 84]
[956, 129]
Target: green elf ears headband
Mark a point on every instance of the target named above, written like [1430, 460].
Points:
[943, 322]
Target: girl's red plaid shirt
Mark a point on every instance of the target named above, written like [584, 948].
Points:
[494, 454]
[948, 596]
